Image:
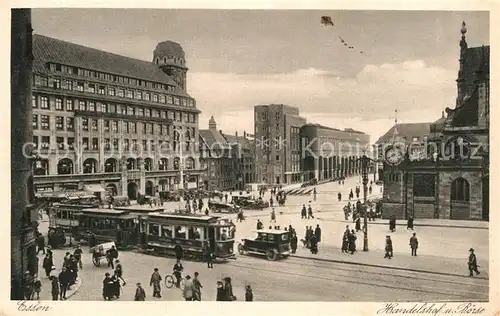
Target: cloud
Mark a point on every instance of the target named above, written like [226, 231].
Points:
[367, 101]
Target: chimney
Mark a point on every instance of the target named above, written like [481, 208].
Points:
[245, 134]
[236, 133]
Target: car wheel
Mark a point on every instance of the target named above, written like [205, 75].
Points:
[272, 254]
[241, 250]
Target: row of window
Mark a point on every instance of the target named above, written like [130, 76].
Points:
[108, 77]
[68, 84]
[46, 103]
[68, 124]
[94, 143]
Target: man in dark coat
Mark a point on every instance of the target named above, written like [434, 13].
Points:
[317, 233]
[41, 244]
[140, 294]
[111, 255]
[388, 247]
[339, 196]
[314, 244]
[64, 281]
[47, 264]
[345, 241]
[248, 294]
[358, 223]
[352, 241]
[106, 287]
[54, 288]
[409, 224]
[472, 263]
[414, 244]
[351, 195]
[220, 292]
[293, 243]
[309, 212]
[303, 213]
[259, 224]
[392, 223]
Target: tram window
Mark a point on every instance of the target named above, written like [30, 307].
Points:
[197, 231]
[284, 237]
[270, 237]
[58, 214]
[129, 223]
[224, 234]
[166, 231]
[180, 232]
[262, 237]
[154, 229]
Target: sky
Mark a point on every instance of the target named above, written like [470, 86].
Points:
[241, 58]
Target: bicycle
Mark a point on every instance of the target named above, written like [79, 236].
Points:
[170, 281]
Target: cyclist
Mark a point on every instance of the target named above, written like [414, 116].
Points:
[178, 268]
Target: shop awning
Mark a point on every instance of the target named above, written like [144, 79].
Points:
[94, 188]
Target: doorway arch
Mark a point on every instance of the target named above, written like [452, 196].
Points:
[132, 190]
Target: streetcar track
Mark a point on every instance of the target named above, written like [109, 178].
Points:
[461, 294]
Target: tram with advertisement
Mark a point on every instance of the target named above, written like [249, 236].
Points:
[193, 235]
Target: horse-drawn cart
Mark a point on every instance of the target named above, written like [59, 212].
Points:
[98, 252]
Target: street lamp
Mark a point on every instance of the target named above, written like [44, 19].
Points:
[181, 158]
[365, 164]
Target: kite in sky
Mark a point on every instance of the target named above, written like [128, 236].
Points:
[327, 21]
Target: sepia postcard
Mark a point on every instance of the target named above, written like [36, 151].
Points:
[336, 157]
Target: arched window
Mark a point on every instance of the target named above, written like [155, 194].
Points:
[41, 167]
[148, 164]
[189, 163]
[110, 165]
[163, 164]
[157, 61]
[131, 164]
[90, 165]
[165, 60]
[65, 166]
[460, 190]
[176, 163]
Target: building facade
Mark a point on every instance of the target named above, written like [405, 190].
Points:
[245, 165]
[23, 212]
[451, 180]
[277, 144]
[330, 153]
[105, 122]
[219, 158]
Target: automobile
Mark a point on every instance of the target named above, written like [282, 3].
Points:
[219, 207]
[120, 201]
[247, 202]
[273, 243]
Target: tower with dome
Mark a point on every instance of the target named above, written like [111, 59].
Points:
[171, 59]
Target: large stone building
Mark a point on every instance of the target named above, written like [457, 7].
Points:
[219, 158]
[108, 122]
[23, 213]
[451, 180]
[245, 164]
[277, 144]
[330, 153]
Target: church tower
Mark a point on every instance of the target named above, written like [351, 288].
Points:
[170, 57]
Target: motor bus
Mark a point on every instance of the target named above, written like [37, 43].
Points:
[192, 235]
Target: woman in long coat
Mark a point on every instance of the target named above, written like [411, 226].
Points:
[352, 242]
[392, 223]
[345, 242]
[358, 224]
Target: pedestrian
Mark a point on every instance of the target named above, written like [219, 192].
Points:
[271, 201]
[41, 244]
[54, 288]
[309, 212]
[351, 195]
[106, 287]
[38, 287]
[220, 291]
[414, 244]
[303, 213]
[248, 294]
[314, 193]
[388, 247]
[259, 224]
[472, 263]
[78, 256]
[314, 244]
[357, 192]
[197, 287]
[225, 197]
[317, 233]
[47, 264]
[155, 281]
[293, 243]
[409, 224]
[140, 294]
[228, 290]
[111, 255]
[351, 239]
[119, 271]
[345, 242]
[273, 216]
[307, 237]
[64, 282]
[339, 196]
[116, 285]
[187, 292]
[392, 223]
[211, 258]
[370, 189]
[358, 223]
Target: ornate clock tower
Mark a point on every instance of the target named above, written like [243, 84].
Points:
[393, 158]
